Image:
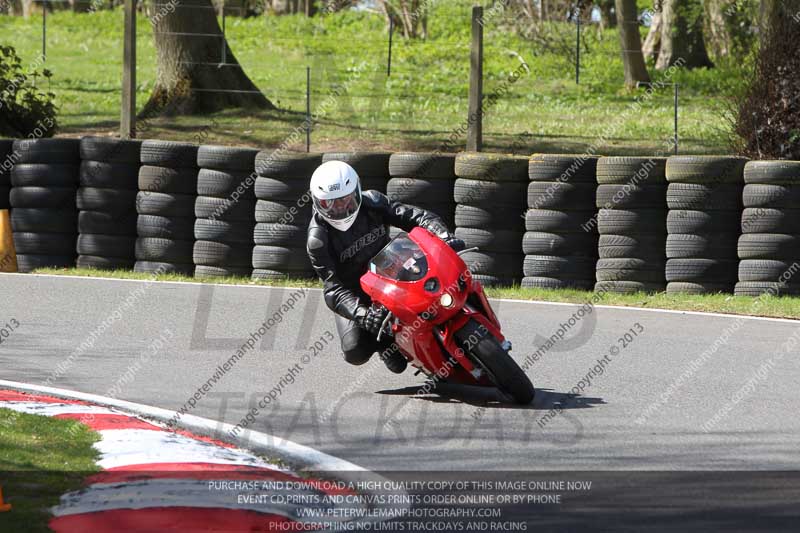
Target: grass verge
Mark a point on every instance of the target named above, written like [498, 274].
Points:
[41, 458]
[766, 306]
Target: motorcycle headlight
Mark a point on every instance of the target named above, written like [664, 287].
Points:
[446, 300]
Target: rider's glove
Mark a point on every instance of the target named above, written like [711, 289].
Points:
[371, 318]
[455, 243]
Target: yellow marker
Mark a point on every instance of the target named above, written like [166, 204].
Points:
[4, 507]
[8, 257]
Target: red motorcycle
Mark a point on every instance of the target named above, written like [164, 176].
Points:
[440, 317]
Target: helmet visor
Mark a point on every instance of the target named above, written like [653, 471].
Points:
[339, 208]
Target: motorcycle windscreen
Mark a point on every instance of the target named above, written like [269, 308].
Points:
[401, 260]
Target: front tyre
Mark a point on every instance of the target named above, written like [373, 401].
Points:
[504, 372]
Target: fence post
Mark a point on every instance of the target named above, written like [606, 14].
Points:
[308, 109]
[389, 61]
[577, 46]
[475, 114]
[676, 119]
[128, 119]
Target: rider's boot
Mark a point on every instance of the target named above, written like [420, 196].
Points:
[393, 360]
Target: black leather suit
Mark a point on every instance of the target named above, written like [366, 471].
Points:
[340, 258]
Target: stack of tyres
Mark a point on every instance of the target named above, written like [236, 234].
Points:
[165, 204]
[225, 212]
[44, 217]
[631, 219]
[424, 180]
[107, 202]
[704, 199]
[7, 159]
[560, 244]
[494, 183]
[283, 211]
[372, 167]
[769, 247]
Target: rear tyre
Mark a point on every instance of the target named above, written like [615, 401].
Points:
[502, 369]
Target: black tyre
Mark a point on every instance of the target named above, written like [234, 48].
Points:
[561, 196]
[168, 180]
[260, 273]
[374, 184]
[569, 267]
[775, 196]
[30, 262]
[4, 192]
[701, 270]
[538, 282]
[110, 150]
[104, 263]
[225, 184]
[635, 171]
[282, 213]
[294, 190]
[632, 221]
[768, 246]
[760, 288]
[106, 245]
[726, 196]
[705, 169]
[494, 264]
[164, 250]
[422, 165]
[491, 241]
[772, 172]
[764, 220]
[767, 269]
[281, 259]
[491, 167]
[635, 246]
[411, 190]
[493, 281]
[175, 228]
[468, 191]
[160, 267]
[58, 151]
[221, 231]
[107, 223]
[627, 287]
[497, 217]
[366, 164]
[44, 220]
[211, 253]
[50, 197]
[169, 154]
[630, 269]
[109, 175]
[540, 243]
[631, 196]
[708, 246]
[502, 370]
[286, 165]
[280, 235]
[44, 243]
[703, 222]
[700, 287]
[44, 175]
[224, 209]
[227, 158]
[564, 168]
[115, 200]
[204, 271]
[550, 221]
[165, 204]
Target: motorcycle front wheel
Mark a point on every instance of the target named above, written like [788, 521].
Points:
[504, 372]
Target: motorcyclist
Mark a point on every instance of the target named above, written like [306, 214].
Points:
[348, 228]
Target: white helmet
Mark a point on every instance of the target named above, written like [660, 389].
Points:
[336, 191]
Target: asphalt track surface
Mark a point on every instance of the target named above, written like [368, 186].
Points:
[652, 408]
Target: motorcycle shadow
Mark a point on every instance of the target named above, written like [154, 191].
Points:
[492, 398]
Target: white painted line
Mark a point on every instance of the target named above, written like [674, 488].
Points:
[510, 300]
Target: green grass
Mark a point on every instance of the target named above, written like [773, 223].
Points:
[416, 108]
[775, 307]
[41, 458]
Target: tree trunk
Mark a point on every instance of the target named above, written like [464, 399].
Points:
[608, 16]
[652, 44]
[189, 79]
[716, 28]
[682, 36]
[631, 43]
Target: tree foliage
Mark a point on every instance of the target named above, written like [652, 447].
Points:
[23, 105]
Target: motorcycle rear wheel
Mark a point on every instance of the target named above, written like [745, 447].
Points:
[503, 371]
